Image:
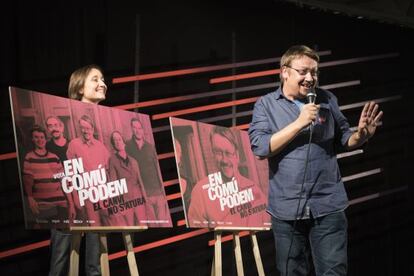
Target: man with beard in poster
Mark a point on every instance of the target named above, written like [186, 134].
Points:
[60, 239]
[207, 212]
[58, 144]
[94, 155]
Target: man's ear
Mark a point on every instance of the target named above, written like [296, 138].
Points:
[284, 72]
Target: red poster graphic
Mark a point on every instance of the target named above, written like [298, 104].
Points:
[82, 164]
[222, 183]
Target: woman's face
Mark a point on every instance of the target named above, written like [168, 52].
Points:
[39, 139]
[119, 144]
[94, 89]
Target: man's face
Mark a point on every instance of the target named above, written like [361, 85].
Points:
[55, 128]
[300, 77]
[227, 158]
[137, 130]
[94, 89]
[39, 139]
[86, 130]
[119, 144]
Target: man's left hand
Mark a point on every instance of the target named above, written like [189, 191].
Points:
[368, 121]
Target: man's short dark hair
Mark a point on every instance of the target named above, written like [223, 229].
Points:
[226, 133]
[87, 119]
[135, 120]
[54, 117]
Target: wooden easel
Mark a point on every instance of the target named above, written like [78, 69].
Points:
[77, 233]
[216, 267]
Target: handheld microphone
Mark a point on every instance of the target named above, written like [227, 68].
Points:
[311, 96]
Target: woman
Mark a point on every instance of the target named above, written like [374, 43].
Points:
[87, 85]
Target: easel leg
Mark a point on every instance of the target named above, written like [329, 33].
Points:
[237, 253]
[74, 254]
[129, 247]
[216, 266]
[104, 254]
[256, 253]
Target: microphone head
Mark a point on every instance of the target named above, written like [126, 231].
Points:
[311, 96]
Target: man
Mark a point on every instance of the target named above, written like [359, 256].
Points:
[44, 194]
[59, 239]
[206, 209]
[307, 210]
[58, 144]
[94, 155]
[146, 156]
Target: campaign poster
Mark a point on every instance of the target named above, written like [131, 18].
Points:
[222, 183]
[83, 164]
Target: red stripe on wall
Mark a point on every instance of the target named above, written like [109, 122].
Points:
[170, 182]
[241, 127]
[202, 69]
[159, 75]
[165, 155]
[154, 102]
[159, 243]
[9, 155]
[203, 108]
[23, 249]
[245, 76]
[181, 222]
[173, 196]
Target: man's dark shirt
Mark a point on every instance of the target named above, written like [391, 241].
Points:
[148, 166]
[60, 151]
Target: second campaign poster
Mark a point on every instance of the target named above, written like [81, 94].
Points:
[222, 183]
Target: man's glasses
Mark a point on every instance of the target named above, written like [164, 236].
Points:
[220, 153]
[304, 72]
[86, 128]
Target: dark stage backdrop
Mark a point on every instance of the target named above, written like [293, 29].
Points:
[42, 43]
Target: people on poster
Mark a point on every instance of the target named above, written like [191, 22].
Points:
[94, 156]
[307, 209]
[58, 143]
[226, 197]
[144, 153]
[45, 197]
[121, 165]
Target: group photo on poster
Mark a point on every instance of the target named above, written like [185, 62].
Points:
[222, 183]
[86, 165]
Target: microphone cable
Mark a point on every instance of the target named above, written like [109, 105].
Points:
[302, 192]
